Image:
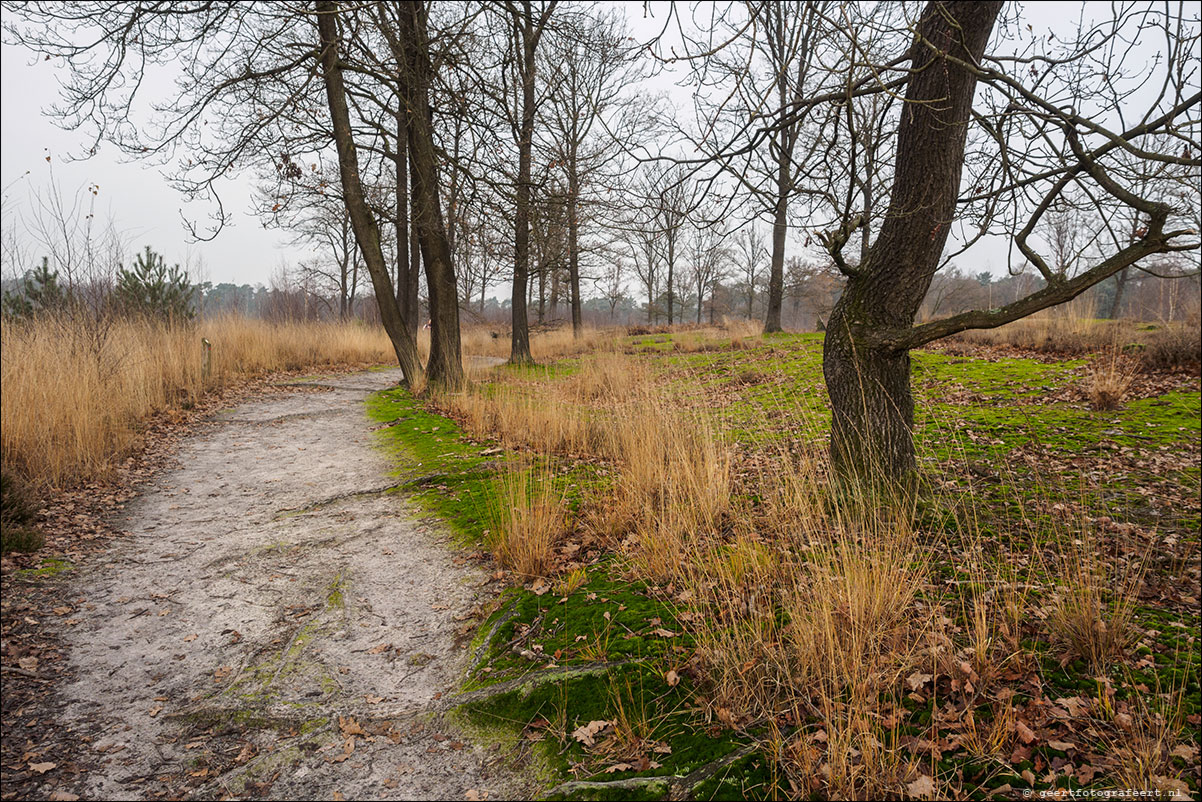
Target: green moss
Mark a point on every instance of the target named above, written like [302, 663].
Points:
[50, 566]
[336, 593]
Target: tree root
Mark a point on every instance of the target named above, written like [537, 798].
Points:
[533, 680]
[628, 784]
[325, 502]
[678, 788]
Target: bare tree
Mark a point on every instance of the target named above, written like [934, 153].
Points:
[752, 255]
[613, 283]
[708, 255]
[527, 25]
[591, 67]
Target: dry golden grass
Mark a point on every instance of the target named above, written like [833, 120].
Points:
[992, 739]
[1143, 751]
[1110, 376]
[75, 396]
[519, 419]
[1092, 613]
[528, 519]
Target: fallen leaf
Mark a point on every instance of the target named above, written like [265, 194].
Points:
[540, 587]
[619, 767]
[917, 680]
[61, 610]
[347, 749]
[154, 711]
[373, 700]
[586, 733]
[41, 768]
[922, 788]
[672, 678]
[1025, 734]
[1062, 746]
[191, 638]
[28, 663]
[475, 795]
[664, 633]
[350, 727]
[337, 797]
[63, 796]
[377, 649]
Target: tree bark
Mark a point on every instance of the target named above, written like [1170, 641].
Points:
[402, 210]
[1120, 284]
[671, 270]
[776, 273]
[413, 309]
[367, 232]
[445, 366]
[574, 247]
[519, 353]
[868, 381]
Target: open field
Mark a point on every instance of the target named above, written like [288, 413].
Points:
[701, 612]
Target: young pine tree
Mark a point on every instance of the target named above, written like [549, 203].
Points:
[152, 289]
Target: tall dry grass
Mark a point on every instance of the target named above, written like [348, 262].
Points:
[673, 478]
[528, 517]
[75, 398]
[811, 602]
[1110, 376]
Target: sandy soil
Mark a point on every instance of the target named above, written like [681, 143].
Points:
[277, 624]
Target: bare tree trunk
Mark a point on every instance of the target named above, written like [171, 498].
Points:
[367, 232]
[554, 293]
[574, 250]
[541, 277]
[413, 311]
[402, 212]
[519, 353]
[671, 270]
[776, 273]
[1120, 284]
[868, 380]
[445, 367]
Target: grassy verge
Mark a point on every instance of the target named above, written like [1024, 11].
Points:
[708, 617]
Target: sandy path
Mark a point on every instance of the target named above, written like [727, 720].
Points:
[269, 587]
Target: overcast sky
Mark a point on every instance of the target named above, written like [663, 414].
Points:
[133, 194]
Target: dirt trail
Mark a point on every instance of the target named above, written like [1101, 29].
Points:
[271, 591]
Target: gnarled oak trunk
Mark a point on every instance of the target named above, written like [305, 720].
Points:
[867, 374]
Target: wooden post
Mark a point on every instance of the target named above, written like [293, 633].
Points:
[206, 359]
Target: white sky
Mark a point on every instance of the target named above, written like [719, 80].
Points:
[134, 195]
